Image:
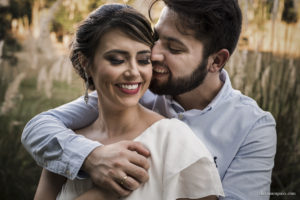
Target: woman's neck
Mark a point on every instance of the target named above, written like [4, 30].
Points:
[119, 122]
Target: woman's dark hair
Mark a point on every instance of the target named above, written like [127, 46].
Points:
[99, 22]
[216, 23]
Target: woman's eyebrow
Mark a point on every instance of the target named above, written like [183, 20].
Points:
[144, 52]
[118, 51]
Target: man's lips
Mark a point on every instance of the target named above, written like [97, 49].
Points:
[129, 88]
[160, 69]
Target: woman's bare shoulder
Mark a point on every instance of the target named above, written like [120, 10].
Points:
[151, 117]
[93, 132]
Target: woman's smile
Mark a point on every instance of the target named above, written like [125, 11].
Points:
[122, 69]
[130, 88]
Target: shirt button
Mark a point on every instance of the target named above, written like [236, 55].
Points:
[180, 116]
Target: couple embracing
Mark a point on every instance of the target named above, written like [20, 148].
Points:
[191, 136]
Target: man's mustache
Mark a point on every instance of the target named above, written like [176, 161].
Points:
[157, 63]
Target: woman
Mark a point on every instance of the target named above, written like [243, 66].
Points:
[111, 52]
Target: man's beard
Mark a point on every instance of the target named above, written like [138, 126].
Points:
[181, 85]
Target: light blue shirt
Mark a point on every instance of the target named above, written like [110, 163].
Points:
[240, 136]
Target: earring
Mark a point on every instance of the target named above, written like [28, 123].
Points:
[86, 95]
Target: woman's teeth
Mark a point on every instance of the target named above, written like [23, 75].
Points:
[129, 86]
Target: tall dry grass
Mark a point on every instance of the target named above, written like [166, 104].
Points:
[272, 81]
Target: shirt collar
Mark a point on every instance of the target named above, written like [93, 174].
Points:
[225, 90]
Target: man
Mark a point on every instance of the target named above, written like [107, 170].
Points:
[195, 39]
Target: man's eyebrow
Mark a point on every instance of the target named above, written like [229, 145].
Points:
[171, 39]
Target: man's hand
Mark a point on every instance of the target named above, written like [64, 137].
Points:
[120, 167]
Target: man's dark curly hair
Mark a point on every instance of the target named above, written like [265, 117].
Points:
[216, 23]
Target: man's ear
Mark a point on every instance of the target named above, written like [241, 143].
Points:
[219, 60]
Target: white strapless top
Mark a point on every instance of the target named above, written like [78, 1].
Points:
[180, 166]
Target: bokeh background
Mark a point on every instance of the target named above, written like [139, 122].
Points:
[36, 75]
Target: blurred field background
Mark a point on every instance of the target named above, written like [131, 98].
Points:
[36, 75]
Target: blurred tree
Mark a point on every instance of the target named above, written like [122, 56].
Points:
[69, 14]
[14, 10]
[289, 14]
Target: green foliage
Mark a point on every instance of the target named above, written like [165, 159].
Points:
[269, 7]
[11, 46]
[93, 4]
[47, 3]
[64, 24]
[20, 8]
[19, 173]
[15, 10]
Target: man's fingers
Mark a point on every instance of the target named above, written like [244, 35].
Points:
[129, 183]
[121, 191]
[138, 160]
[109, 163]
[136, 172]
[138, 147]
[114, 186]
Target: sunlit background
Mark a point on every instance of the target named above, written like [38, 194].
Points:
[36, 75]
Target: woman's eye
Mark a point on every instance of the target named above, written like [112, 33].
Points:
[144, 61]
[115, 61]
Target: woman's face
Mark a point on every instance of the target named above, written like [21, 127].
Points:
[121, 70]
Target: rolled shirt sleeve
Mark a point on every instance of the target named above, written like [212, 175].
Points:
[50, 139]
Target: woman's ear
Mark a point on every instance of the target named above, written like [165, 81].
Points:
[83, 61]
[219, 60]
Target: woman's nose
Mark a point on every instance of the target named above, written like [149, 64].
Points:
[157, 54]
[132, 70]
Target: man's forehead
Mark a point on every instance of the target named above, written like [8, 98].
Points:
[169, 25]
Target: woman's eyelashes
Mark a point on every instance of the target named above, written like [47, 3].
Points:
[114, 60]
[118, 61]
[144, 61]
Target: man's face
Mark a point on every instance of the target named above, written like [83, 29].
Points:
[178, 65]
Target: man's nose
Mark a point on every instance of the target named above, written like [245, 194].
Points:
[157, 54]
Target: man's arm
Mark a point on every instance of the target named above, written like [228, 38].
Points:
[59, 150]
[249, 174]
[49, 138]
